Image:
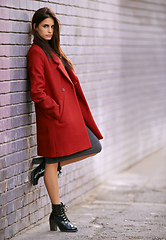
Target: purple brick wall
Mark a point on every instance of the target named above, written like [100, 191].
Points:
[119, 52]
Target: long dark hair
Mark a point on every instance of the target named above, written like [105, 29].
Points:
[52, 45]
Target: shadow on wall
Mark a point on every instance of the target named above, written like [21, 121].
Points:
[21, 109]
[21, 106]
[31, 138]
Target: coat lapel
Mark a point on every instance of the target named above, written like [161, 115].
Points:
[62, 69]
[64, 72]
[60, 66]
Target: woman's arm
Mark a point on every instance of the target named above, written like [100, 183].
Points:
[35, 60]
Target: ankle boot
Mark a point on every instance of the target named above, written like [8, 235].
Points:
[58, 218]
[37, 173]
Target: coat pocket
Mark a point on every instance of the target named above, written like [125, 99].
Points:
[61, 108]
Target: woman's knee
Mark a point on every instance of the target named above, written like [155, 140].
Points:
[51, 166]
[98, 147]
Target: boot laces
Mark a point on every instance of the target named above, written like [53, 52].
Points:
[59, 170]
[63, 213]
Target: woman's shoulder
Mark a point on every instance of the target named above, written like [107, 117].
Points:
[35, 49]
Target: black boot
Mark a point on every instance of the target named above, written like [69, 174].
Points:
[37, 160]
[37, 173]
[58, 218]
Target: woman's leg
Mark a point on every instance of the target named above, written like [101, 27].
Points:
[58, 216]
[63, 163]
[51, 178]
[96, 148]
[51, 182]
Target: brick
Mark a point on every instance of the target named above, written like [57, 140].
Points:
[20, 27]
[10, 172]
[112, 47]
[15, 193]
[19, 145]
[19, 121]
[22, 178]
[33, 152]
[4, 26]
[4, 112]
[19, 86]
[4, 13]
[25, 4]
[11, 183]
[16, 50]
[4, 87]
[11, 230]
[32, 141]
[28, 198]
[20, 97]
[16, 38]
[3, 187]
[19, 62]
[3, 223]
[2, 161]
[4, 52]
[2, 234]
[3, 199]
[18, 74]
[16, 14]
[4, 38]
[5, 3]
[15, 157]
[4, 75]
[14, 217]
[2, 211]
[4, 62]
[41, 213]
[25, 211]
[5, 149]
[18, 133]
[5, 124]
[19, 109]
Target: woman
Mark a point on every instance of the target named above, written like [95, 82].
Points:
[66, 130]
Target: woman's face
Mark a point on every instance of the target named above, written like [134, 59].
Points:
[46, 28]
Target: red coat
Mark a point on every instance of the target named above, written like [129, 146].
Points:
[62, 112]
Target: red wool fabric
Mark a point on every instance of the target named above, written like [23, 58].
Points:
[62, 111]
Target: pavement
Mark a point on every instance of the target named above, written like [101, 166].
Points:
[128, 205]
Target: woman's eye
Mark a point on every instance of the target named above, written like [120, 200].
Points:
[45, 26]
[53, 26]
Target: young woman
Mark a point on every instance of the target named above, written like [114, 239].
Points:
[66, 130]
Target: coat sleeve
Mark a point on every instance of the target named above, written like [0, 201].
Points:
[35, 61]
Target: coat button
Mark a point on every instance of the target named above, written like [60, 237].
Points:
[63, 89]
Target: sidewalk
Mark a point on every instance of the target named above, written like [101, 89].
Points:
[129, 205]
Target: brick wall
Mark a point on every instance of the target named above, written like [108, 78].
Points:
[118, 48]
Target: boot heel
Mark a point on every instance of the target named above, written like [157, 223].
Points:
[37, 160]
[53, 225]
[59, 218]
